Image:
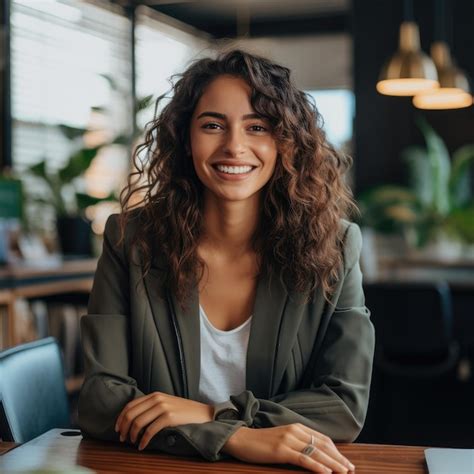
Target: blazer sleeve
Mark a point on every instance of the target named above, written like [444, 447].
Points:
[336, 401]
[107, 386]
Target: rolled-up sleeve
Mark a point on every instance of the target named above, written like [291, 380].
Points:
[335, 402]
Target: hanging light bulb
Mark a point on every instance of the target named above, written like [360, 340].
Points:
[409, 71]
[454, 92]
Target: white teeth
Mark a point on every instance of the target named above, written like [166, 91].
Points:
[234, 169]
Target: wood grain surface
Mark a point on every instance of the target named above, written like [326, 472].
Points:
[6, 446]
[54, 449]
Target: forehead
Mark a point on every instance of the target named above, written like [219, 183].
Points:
[226, 92]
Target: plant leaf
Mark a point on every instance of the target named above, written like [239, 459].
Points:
[71, 132]
[112, 82]
[39, 169]
[98, 108]
[78, 164]
[440, 167]
[121, 140]
[388, 208]
[84, 200]
[461, 221]
[143, 102]
[419, 169]
[460, 180]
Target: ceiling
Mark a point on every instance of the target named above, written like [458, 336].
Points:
[229, 18]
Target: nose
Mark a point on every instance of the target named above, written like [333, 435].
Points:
[235, 142]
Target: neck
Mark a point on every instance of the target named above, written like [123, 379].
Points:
[229, 225]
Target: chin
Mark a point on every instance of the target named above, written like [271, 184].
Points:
[235, 196]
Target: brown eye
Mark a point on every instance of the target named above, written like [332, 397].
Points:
[211, 126]
[261, 129]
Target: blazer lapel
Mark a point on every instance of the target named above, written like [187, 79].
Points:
[269, 309]
[162, 302]
[189, 327]
[164, 327]
[293, 313]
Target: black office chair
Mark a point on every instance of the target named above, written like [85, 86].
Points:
[416, 397]
[33, 396]
[413, 323]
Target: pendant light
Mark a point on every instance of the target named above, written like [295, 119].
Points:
[409, 71]
[454, 91]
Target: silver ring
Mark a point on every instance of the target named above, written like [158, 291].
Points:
[309, 449]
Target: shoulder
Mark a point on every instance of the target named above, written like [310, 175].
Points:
[126, 232]
[350, 238]
[113, 233]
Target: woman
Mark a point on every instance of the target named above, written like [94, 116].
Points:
[227, 315]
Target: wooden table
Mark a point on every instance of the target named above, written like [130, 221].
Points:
[57, 449]
[6, 446]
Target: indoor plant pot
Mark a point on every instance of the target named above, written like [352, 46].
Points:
[74, 235]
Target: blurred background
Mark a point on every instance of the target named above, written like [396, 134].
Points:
[392, 81]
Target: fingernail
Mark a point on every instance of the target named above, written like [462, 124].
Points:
[352, 466]
[140, 448]
[121, 438]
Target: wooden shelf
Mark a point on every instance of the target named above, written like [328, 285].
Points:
[26, 281]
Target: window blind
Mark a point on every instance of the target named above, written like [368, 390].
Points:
[65, 56]
[164, 46]
[59, 49]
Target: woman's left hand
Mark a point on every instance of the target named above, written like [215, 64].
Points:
[157, 411]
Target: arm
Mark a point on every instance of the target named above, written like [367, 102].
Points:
[104, 333]
[106, 345]
[335, 404]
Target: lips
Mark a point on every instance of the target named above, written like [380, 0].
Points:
[221, 163]
[233, 176]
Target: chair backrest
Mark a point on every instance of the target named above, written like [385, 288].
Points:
[33, 396]
[413, 323]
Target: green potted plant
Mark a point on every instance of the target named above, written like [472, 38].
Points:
[64, 191]
[435, 213]
[63, 195]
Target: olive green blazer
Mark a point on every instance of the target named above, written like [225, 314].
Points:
[307, 363]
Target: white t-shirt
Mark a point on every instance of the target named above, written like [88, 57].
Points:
[223, 360]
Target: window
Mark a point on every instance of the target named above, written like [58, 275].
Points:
[337, 110]
[164, 46]
[62, 53]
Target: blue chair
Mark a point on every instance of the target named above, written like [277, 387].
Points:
[33, 397]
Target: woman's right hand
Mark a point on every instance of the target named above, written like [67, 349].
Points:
[283, 445]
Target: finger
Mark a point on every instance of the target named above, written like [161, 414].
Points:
[320, 456]
[151, 431]
[300, 440]
[133, 413]
[307, 462]
[143, 420]
[130, 405]
[325, 444]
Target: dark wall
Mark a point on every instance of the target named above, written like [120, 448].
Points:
[385, 125]
[5, 122]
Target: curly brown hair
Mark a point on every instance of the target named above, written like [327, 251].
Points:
[297, 237]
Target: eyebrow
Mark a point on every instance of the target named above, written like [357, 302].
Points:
[224, 117]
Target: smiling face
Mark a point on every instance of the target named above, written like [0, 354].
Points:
[225, 129]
